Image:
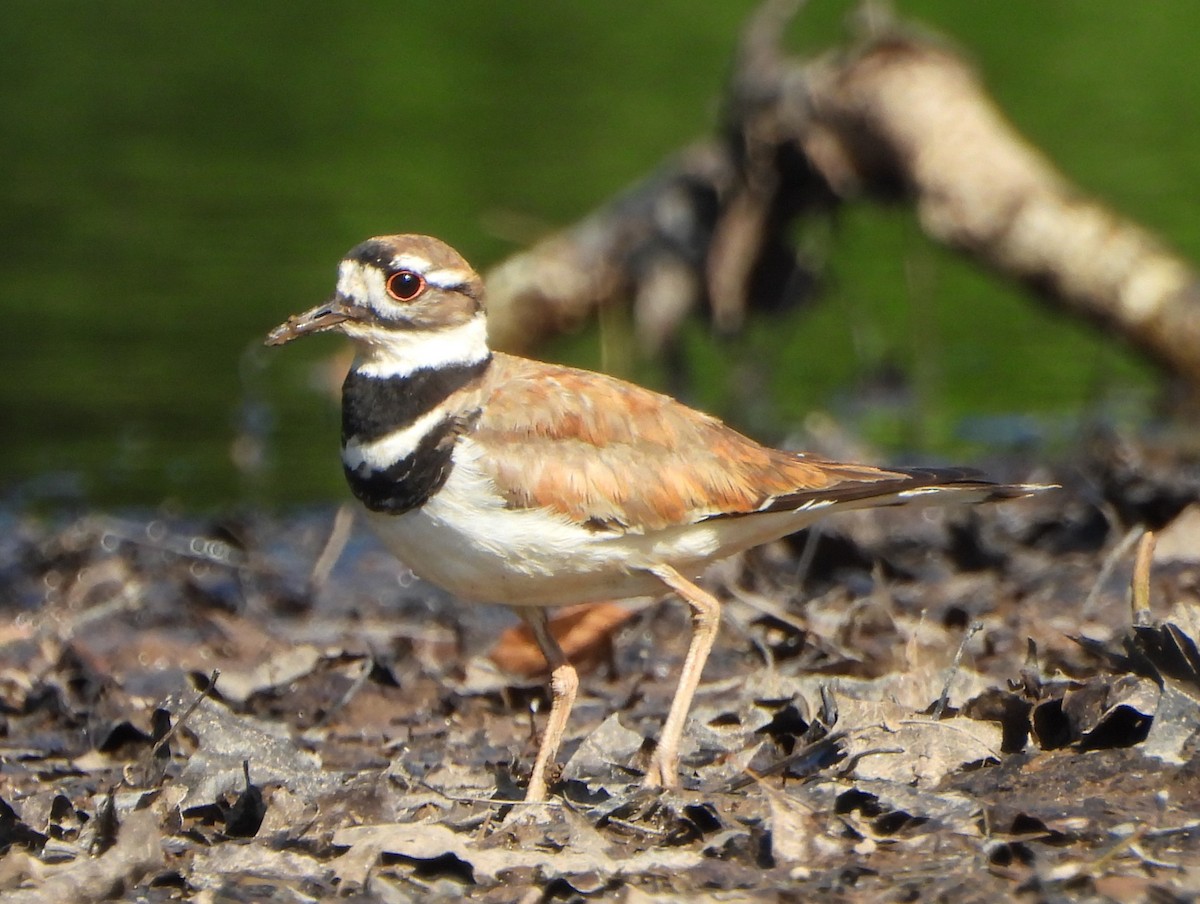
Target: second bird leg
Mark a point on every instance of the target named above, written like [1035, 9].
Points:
[564, 682]
[706, 619]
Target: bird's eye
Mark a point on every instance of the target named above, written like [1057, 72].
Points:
[405, 285]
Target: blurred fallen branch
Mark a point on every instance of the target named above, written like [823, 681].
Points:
[898, 117]
[907, 112]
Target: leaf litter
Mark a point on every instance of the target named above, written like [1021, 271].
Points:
[969, 705]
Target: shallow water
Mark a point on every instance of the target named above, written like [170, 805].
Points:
[175, 183]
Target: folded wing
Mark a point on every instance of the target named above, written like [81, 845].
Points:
[615, 456]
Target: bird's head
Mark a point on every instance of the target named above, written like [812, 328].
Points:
[390, 288]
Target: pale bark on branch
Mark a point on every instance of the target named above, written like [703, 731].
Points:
[899, 117]
[915, 112]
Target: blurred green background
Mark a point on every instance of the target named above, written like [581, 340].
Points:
[178, 178]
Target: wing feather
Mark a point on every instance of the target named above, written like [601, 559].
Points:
[615, 456]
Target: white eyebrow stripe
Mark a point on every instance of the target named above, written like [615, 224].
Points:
[409, 261]
[447, 278]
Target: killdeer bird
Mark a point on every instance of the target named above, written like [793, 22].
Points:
[506, 480]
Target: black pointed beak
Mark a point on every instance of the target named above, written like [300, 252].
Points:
[326, 316]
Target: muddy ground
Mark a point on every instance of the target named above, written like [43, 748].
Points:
[959, 705]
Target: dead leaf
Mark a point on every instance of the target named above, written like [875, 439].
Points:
[1179, 541]
[584, 632]
[137, 851]
[288, 816]
[1111, 712]
[216, 867]
[605, 752]
[227, 740]
[429, 841]
[1176, 723]
[893, 804]
[792, 829]
[886, 741]
[1169, 647]
[281, 669]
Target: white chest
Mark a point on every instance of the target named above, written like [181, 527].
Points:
[466, 541]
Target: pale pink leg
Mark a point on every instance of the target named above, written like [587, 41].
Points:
[564, 682]
[706, 619]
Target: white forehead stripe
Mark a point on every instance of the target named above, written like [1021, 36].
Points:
[360, 284]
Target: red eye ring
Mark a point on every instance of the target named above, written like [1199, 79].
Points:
[405, 285]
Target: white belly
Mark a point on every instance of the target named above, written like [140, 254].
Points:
[467, 542]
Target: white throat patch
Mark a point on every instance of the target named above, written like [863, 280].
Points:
[398, 353]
